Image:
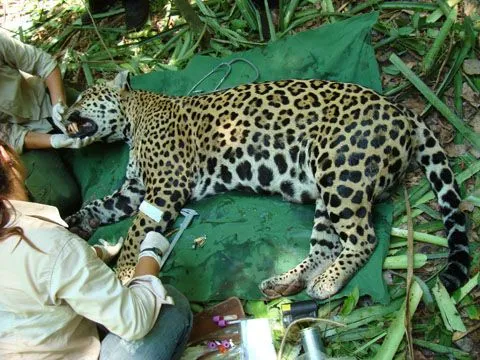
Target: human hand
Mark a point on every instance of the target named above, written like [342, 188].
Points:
[57, 115]
[64, 141]
[154, 245]
[108, 251]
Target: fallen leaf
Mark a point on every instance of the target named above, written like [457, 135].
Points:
[471, 66]
[455, 150]
[416, 104]
[466, 206]
[475, 123]
[420, 356]
[474, 152]
[471, 96]
[471, 7]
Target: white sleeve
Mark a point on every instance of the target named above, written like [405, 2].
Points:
[92, 289]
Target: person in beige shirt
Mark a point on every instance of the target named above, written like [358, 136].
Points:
[56, 291]
[32, 98]
[26, 107]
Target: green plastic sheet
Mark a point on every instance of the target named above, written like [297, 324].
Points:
[248, 237]
[49, 181]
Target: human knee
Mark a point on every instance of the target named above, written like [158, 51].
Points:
[182, 305]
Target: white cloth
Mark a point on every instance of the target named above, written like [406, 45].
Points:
[49, 301]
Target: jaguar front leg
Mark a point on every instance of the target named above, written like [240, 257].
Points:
[165, 204]
[325, 246]
[121, 204]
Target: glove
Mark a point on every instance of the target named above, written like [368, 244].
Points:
[57, 115]
[64, 141]
[154, 245]
[107, 250]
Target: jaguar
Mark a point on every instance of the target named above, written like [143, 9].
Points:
[337, 145]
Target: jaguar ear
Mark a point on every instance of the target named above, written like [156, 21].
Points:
[121, 81]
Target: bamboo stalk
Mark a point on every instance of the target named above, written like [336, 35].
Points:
[396, 329]
[408, 324]
[401, 261]
[426, 238]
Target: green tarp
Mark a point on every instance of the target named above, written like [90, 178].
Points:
[249, 238]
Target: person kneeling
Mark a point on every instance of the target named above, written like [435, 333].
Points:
[55, 289]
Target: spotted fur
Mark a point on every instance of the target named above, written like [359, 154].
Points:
[337, 145]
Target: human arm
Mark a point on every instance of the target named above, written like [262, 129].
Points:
[55, 87]
[91, 288]
[146, 265]
[36, 140]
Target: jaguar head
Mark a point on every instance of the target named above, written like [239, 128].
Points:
[97, 113]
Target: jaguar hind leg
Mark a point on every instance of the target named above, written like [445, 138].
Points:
[356, 233]
[325, 246]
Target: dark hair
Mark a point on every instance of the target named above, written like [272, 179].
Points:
[10, 167]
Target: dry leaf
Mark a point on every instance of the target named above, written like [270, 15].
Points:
[420, 356]
[474, 152]
[471, 96]
[471, 66]
[471, 7]
[475, 123]
[466, 206]
[416, 104]
[455, 150]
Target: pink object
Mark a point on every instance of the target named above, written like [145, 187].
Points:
[218, 318]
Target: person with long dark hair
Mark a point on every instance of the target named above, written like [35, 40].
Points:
[57, 294]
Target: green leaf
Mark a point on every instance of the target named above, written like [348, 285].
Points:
[390, 70]
[350, 302]
[459, 294]
[450, 316]
[427, 294]
[258, 309]
[473, 312]
[405, 31]
[238, 24]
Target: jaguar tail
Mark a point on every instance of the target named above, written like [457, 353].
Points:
[433, 160]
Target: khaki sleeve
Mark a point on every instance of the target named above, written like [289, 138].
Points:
[92, 289]
[14, 135]
[24, 57]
